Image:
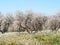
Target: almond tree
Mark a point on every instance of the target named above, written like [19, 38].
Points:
[7, 21]
[18, 20]
[1, 17]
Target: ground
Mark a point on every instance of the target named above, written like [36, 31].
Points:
[24, 38]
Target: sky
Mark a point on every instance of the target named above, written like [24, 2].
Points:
[44, 6]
